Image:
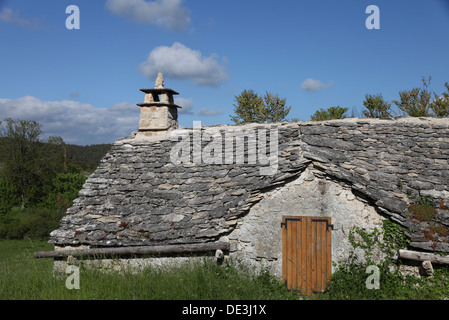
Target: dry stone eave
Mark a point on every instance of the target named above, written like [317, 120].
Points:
[158, 104]
[159, 91]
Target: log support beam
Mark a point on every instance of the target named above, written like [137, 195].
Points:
[136, 251]
[423, 256]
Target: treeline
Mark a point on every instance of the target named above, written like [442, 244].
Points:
[417, 102]
[86, 157]
[39, 178]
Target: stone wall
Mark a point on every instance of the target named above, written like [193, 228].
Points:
[358, 171]
[258, 235]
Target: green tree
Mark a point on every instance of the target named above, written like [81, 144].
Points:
[250, 107]
[416, 102]
[329, 114]
[275, 109]
[64, 189]
[9, 196]
[20, 149]
[440, 106]
[29, 162]
[377, 107]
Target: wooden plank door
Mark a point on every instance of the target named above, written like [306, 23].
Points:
[306, 253]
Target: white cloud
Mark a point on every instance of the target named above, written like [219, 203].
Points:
[11, 16]
[185, 104]
[181, 62]
[209, 113]
[315, 85]
[168, 14]
[75, 122]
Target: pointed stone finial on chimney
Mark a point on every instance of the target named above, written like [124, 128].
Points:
[159, 113]
[160, 83]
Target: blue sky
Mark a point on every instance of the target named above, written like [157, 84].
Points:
[83, 85]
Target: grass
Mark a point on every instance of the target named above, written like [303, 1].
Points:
[22, 277]
[350, 284]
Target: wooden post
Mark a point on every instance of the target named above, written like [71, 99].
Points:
[423, 256]
[130, 251]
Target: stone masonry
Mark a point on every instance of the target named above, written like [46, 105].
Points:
[359, 171]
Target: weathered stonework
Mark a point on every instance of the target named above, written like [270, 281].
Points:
[158, 113]
[258, 235]
[358, 171]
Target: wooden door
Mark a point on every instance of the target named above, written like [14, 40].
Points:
[306, 253]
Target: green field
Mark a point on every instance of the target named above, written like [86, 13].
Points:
[22, 277]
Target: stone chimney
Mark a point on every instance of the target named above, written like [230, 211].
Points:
[158, 113]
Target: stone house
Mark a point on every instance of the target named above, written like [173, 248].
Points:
[265, 194]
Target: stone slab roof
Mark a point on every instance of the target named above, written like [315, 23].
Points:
[139, 196]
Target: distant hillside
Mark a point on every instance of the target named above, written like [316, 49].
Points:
[87, 157]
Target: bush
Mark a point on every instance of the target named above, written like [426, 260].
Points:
[440, 106]
[415, 102]
[33, 223]
[349, 282]
[330, 114]
[376, 107]
[251, 107]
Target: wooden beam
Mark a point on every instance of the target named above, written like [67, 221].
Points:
[423, 256]
[130, 251]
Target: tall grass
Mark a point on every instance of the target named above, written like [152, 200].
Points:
[26, 278]
[22, 277]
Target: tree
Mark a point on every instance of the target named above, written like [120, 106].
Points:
[250, 107]
[8, 196]
[275, 110]
[330, 114]
[64, 189]
[377, 107]
[29, 162]
[440, 106]
[20, 149]
[415, 102]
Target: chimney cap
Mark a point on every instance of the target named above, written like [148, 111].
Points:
[160, 83]
[159, 91]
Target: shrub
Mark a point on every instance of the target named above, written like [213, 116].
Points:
[33, 223]
[350, 280]
[440, 105]
[250, 107]
[376, 107]
[415, 102]
[330, 114]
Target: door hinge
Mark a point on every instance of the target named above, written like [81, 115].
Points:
[327, 223]
[287, 220]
